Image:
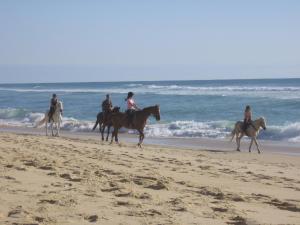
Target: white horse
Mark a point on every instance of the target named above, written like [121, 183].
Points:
[252, 132]
[56, 119]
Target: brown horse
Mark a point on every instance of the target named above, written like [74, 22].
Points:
[107, 123]
[138, 122]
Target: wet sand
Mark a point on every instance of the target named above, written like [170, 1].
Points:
[210, 144]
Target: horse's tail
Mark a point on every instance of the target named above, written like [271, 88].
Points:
[98, 120]
[96, 124]
[41, 122]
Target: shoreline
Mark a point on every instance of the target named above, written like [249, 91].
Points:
[198, 144]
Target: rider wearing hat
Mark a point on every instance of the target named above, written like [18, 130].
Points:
[131, 107]
[53, 103]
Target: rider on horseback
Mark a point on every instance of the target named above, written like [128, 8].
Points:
[131, 108]
[106, 107]
[53, 103]
[247, 118]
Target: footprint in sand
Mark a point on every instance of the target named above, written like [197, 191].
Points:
[284, 205]
[217, 209]
[238, 220]
[8, 177]
[49, 201]
[68, 177]
[157, 160]
[9, 166]
[159, 185]
[204, 167]
[151, 182]
[18, 212]
[92, 218]
[51, 174]
[214, 192]
[30, 163]
[20, 168]
[110, 189]
[39, 219]
[177, 205]
[46, 167]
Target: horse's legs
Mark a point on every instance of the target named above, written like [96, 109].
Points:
[46, 128]
[112, 136]
[141, 138]
[250, 144]
[237, 142]
[102, 132]
[108, 130]
[51, 125]
[58, 129]
[116, 135]
[256, 145]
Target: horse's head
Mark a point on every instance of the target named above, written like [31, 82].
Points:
[156, 112]
[116, 109]
[262, 123]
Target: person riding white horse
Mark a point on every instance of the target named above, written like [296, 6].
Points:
[251, 131]
[54, 116]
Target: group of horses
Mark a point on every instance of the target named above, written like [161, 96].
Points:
[117, 120]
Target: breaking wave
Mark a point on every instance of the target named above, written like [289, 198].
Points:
[187, 129]
[258, 91]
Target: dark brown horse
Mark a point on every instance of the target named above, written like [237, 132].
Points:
[107, 123]
[139, 121]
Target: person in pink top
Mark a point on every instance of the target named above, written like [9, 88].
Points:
[131, 107]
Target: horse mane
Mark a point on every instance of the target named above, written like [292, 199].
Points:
[149, 107]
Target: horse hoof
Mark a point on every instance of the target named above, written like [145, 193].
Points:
[238, 150]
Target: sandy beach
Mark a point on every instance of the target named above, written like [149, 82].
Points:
[70, 180]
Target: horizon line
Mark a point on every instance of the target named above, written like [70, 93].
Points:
[124, 81]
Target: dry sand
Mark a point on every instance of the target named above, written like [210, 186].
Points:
[45, 180]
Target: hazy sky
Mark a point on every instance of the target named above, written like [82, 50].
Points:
[69, 40]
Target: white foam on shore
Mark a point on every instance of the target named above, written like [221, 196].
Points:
[188, 129]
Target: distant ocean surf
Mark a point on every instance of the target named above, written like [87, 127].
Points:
[189, 109]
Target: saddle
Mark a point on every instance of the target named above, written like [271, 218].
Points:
[51, 112]
[248, 125]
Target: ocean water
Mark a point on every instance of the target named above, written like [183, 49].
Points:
[189, 109]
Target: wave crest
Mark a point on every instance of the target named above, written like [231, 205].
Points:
[282, 92]
[188, 129]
